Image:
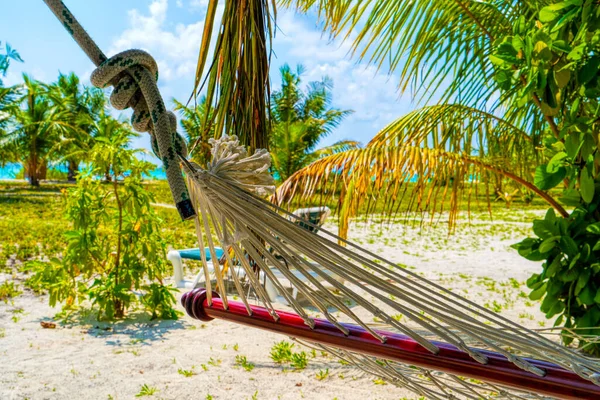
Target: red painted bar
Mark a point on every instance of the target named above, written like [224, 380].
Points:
[558, 382]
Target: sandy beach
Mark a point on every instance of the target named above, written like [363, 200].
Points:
[188, 359]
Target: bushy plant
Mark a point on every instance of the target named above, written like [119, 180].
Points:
[558, 54]
[115, 255]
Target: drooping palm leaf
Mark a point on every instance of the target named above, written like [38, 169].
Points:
[434, 156]
[237, 81]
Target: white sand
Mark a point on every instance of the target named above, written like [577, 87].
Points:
[86, 362]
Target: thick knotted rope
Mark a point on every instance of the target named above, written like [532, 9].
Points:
[133, 75]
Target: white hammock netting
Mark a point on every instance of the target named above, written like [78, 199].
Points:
[261, 244]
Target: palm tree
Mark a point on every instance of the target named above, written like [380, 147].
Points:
[34, 128]
[82, 106]
[300, 120]
[7, 100]
[197, 124]
[9, 54]
[110, 152]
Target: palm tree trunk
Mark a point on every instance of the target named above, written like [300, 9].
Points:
[42, 170]
[31, 171]
[72, 170]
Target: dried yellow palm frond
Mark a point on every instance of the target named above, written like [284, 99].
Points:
[437, 158]
[417, 178]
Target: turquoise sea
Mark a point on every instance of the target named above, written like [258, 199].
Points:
[11, 171]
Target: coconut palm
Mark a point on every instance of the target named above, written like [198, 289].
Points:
[197, 125]
[34, 128]
[299, 120]
[82, 106]
[7, 99]
[9, 54]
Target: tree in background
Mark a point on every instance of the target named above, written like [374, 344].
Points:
[7, 100]
[198, 127]
[82, 107]
[518, 84]
[115, 246]
[9, 54]
[299, 120]
[35, 125]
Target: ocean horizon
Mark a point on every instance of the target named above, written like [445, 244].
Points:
[12, 170]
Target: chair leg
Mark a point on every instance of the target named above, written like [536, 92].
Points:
[175, 259]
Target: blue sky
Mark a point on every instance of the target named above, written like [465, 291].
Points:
[171, 30]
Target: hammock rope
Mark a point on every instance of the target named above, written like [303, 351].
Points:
[265, 245]
[133, 74]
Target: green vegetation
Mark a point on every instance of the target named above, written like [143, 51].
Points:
[299, 120]
[115, 244]
[244, 363]
[146, 391]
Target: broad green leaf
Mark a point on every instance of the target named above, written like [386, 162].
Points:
[538, 293]
[583, 279]
[569, 246]
[557, 308]
[554, 267]
[595, 229]
[548, 15]
[586, 185]
[506, 52]
[546, 181]
[562, 77]
[544, 229]
[590, 318]
[548, 244]
[589, 70]
[570, 197]
[587, 295]
[556, 162]
[561, 45]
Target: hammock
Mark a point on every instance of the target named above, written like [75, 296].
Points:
[448, 348]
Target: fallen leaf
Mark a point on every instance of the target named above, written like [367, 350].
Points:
[48, 325]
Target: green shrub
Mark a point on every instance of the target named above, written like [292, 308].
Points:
[115, 254]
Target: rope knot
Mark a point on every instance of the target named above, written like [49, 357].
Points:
[133, 74]
[129, 72]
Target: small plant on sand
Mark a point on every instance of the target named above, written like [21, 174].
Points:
[115, 246]
[8, 290]
[281, 352]
[188, 373]
[299, 360]
[146, 391]
[322, 374]
[244, 363]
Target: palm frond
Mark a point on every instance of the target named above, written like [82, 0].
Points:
[237, 81]
[438, 157]
[337, 147]
[441, 48]
[411, 178]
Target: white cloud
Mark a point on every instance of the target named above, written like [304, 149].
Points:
[174, 48]
[372, 94]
